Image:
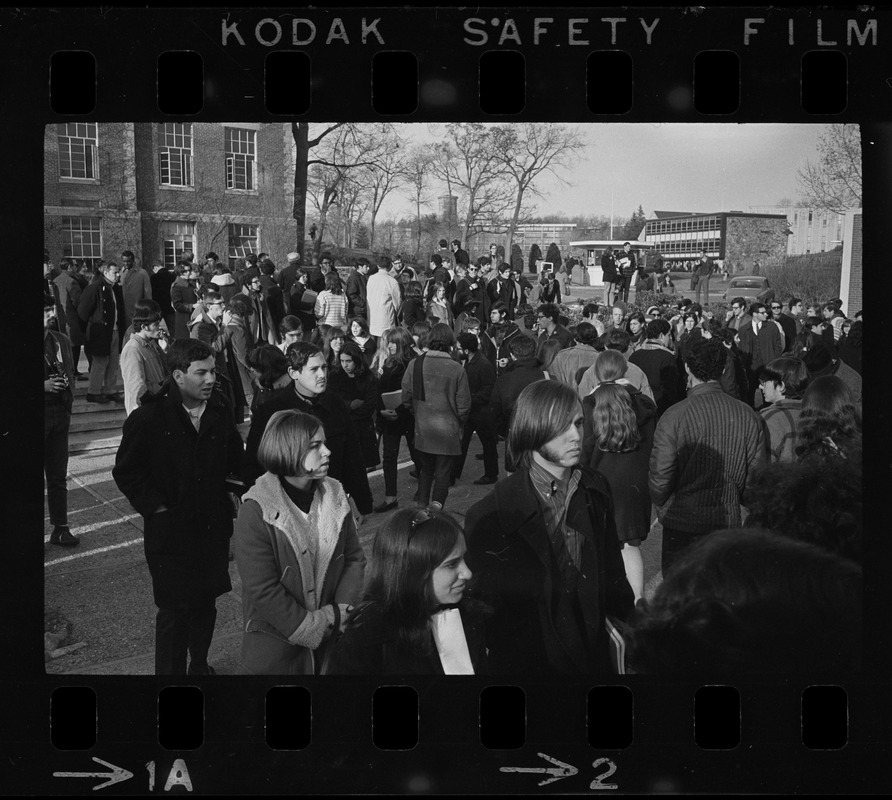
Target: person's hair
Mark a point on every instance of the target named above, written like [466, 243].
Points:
[746, 601]
[855, 335]
[405, 350]
[269, 361]
[546, 351]
[549, 310]
[456, 241]
[706, 359]
[441, 338]
[249, 275]
[333, 283]
[182, 352]
[502, 267]
[385, 264]
[354, 351]
[586, 333]
[107, 265]
[286, 442]
[267, 267]
[334, 332]
[617, 339]
[636, 315]
[362, 262]
[614, 422]
[184, 267]
[251, 258]
[128, 253]
[544, 410]
[300, 353]
[442, 243]
[831, 305]
[656, 328]
[499, 306]
[317, 336]
[241, 305]
[290, 323]
[470, 321]
[590, 310]
[521, 346]
[413, 290]
[326, 256]
[422, 330]
[212, 255]
[809, 502]
[145, 313]
[66, 263]
[407, 550]
[611, 366]
[739, 301]
[754, 308]
[437, 260]
[436, 288]
[792, 302]
[792, 372]
[469, 342]
[829, 413]
[363, 325]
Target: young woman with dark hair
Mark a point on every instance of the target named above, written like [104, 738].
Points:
[636, 326]
[358, 331]
[333, 340]
[397, 423]
[412, 308]
[617, 440]
[358, 388]
[414, 618]
[269, 369]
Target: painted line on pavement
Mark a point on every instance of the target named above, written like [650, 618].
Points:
[86, 553]
[95, 526]
[401, 465]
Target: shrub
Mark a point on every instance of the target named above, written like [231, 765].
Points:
[535, 255]
[813, 278]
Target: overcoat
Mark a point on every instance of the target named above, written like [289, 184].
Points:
[514, 572]
[97, 311]
[163, 460]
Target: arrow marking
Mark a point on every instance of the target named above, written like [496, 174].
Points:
[558, 771]
[116, 775]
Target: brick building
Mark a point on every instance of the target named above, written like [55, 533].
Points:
[850, 285]
[160, 189]
[737, 238]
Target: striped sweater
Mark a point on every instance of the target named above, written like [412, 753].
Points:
[705, 450]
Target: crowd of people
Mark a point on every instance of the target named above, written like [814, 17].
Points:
[739, 430]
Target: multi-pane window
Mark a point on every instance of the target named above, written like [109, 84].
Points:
[241, 160]
[77, 149]
[176, 238]
[175, 153]
[242, 240]
[81, 239]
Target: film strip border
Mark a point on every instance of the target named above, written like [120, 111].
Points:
[410, 64]
[447, 737]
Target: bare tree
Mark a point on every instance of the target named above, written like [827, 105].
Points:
[417, 170]
[387, 175]
[470, 161]
[529, 150]
[834, 182]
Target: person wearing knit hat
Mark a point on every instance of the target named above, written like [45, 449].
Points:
[820, 360]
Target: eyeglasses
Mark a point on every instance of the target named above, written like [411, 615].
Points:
[776, 308]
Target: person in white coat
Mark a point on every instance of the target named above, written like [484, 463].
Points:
[383, 298]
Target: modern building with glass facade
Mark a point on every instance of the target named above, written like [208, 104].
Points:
[739, 240]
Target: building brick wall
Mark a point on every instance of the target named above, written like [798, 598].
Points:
[851, 280]
[749, 239]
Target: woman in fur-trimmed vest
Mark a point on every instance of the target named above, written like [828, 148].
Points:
[297, 550]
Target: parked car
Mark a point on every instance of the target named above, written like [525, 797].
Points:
[751, 288]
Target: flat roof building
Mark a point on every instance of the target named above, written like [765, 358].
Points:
[740, 240]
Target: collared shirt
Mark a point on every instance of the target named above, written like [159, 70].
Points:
[554, 498]
[195, 414]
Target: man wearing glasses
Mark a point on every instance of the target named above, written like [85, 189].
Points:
[787, 320]
[762, 340]
[470, 289]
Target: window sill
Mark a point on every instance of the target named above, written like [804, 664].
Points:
[246, 192]
[81, 181]
[175, 188]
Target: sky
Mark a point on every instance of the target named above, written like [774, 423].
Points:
[665, 167]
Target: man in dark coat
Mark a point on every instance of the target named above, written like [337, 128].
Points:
[272, 293]
[548, 319]
[504, 290]
[101, 310]
[317, 276]
[459, 256]
[58, 398]
[70, 291]
[523, 370]
[481, 379]
[610, 276]
[470, 289]
[356, 290]
[544, 551]
[177, 450]
[309, 372]
[162, 279]
[786, 322]
[287, 277]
